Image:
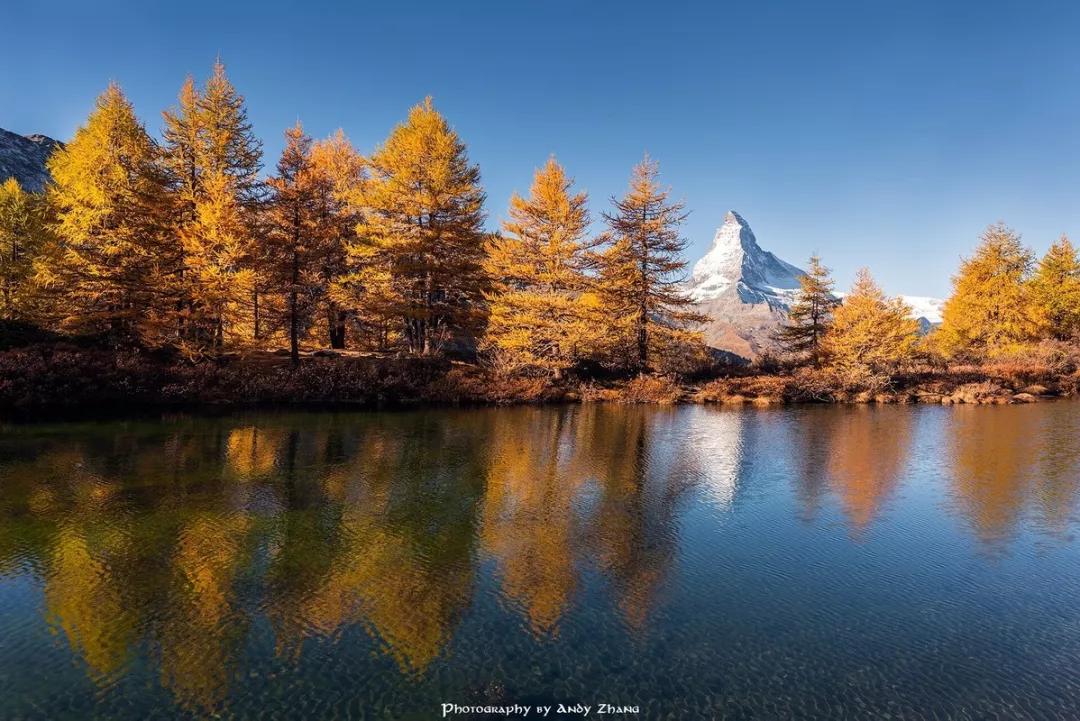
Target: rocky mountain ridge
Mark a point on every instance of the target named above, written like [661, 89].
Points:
[23, 157]
[746, 291]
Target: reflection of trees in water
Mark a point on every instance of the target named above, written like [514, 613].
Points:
[390, 543]
[375, 521]
[632, 530]
[856, 453]
[868, 448]
[1004, 458]
[992, 458]
[202, 626]
[368, 521]
[538, 526]
[84, 599]
[530, 524]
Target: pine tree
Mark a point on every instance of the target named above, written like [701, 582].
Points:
[536, 317]
[988, 312]
[303, 230]
[421, 232]
[1055, 292]
[869, 331]
[810, 314]
[640, 270]
[106, 197]
[24, 240]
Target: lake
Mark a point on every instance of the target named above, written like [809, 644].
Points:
[693, 562]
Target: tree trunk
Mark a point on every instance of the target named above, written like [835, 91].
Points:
[336, 329]
[642, 341]
[255, 298]
[294, 320]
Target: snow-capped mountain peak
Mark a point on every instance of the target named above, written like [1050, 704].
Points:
[746, 292]
[736, 259]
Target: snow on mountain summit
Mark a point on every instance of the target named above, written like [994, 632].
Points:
[736, 259]
[746, 292]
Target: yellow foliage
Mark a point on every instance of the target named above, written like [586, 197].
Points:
[421, 232]
[640, 271]
[24, 244]
[988, 312]
[107, 194]
[1054, 292]
[212, 159]
[537, 319]
[870, 331]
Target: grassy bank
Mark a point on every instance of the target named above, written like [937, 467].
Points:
[65, 377]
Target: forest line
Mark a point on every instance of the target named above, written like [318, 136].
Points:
[178, 243]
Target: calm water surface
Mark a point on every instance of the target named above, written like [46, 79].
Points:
[699, 563]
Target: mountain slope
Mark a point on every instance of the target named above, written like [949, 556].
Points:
[747, 291]
[23, 157]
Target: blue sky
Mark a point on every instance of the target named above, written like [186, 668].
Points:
[886, 134]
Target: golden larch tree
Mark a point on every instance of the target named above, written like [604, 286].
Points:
[303, 231]
[537, 321]
[641, 269]
[213, 159]
[870, 332]
[988, 312]
[106, 197]
[341, 169]
[24, 242]
[1055, 292]
[421, 236]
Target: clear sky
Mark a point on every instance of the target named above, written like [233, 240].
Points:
[878, 133]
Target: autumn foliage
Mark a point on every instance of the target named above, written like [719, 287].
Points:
[184, 248]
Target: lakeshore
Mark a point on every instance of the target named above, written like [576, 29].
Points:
[54, 379]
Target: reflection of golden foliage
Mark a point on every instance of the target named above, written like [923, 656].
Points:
[379, 581]
[528, 513]
[200, 627]
[407, 594]
[633, 524]
[867, 451]
[84, 600]
[251, 451]
[991, 455]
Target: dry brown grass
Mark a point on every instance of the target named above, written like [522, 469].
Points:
[64, 376]
[641, 389]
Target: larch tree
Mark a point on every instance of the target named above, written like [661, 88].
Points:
[341, 169]
[810, 315]
[640, 271]
[181, 138]
[870, 331]
[24, 241]
[421, 238]
[1055, 292]
[303, 230]
[988, 312]
[538, 268]
[213, 160]
[217, 253]
[106, 195]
